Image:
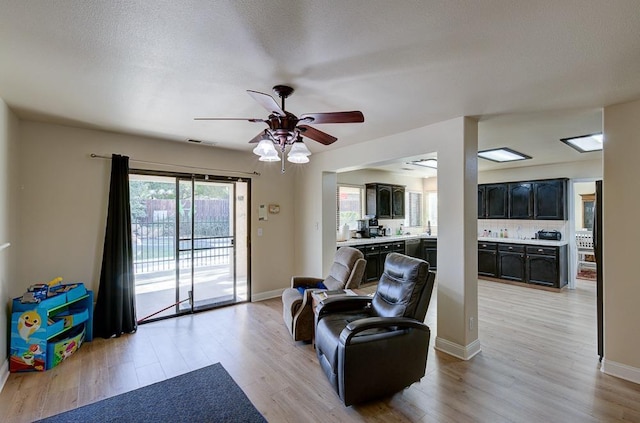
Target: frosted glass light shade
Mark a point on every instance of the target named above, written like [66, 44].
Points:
[265, 147]
[298, 158]
[299, 148]
[270, 156]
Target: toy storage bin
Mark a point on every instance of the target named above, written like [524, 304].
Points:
[63, 346]
[44, 334]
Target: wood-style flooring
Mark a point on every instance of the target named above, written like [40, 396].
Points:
[538, 364]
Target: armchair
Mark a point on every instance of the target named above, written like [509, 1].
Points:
[374, 347]
[346, 271]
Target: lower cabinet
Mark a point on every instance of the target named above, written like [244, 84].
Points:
[372, 256]
[430, 253]
[375, 255]
[533, 264]
[547, 266]
[391, 247]
[488, 259]
[511, 262]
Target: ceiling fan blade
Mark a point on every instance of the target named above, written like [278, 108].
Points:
[247, 119]
[317, 135]
[333, 117]
[267, 102]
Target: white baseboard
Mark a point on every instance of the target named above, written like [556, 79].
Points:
[459, 351]
[4, 373]
[632, 374]
[266, 295]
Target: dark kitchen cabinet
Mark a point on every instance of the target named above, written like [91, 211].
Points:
[511, 262]
[391, 247]
[397, 202]
[496, 201]
[430, 252]
[541, 200]
[372, 256]
[488, 259]
[549, 199]
[385, 201]
[482, 210]
[375, 255]
[547, 266]
[521, 200]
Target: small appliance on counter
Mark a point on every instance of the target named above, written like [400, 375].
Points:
[373, 228]
[549, 235]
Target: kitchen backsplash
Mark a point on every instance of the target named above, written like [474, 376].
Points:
[520, 229]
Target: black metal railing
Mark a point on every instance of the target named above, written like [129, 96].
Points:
[154, 247]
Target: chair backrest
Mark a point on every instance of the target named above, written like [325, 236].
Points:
[347, 269]
[584, 239]
[401, 288]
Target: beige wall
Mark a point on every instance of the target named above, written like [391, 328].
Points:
[573, 170]
[64, 201]
[620, 243]
[9, 221]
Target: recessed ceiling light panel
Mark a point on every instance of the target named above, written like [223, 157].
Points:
[430, 163]
[585, 143]
[502, 155]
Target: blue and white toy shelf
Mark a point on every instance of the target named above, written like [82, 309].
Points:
[45, 333]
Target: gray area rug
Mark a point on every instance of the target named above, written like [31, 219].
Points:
[205, 395]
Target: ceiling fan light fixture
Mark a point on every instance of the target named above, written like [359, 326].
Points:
[271, 156]
[298, 158]
[265, 147]
[299, 148]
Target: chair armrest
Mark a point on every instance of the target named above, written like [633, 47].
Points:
[297, 281]
[342, 303]
[393, 323]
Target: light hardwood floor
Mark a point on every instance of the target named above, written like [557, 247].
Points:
[538, 364]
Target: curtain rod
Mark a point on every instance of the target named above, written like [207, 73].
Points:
[97, 156]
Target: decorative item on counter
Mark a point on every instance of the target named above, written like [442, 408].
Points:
[429, 227]
[506, 234]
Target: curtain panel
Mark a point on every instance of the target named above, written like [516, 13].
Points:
[115, 307]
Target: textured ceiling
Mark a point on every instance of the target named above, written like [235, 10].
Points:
[531, 71]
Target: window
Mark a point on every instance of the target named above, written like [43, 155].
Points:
[350, 205]
[432, 208]
[413, 208]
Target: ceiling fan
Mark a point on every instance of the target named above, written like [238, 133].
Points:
[285, 128]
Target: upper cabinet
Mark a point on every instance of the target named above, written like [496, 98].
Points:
[540, 200]
[494, 199]
[521, 200]
[397, 202]
[549, 199]
[385, 201]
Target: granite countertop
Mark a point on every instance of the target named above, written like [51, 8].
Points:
[381, 239]
[523, 241]
[391, 238]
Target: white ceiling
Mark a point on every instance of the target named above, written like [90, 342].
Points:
[531, 71]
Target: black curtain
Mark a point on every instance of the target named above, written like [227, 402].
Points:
[115, 307]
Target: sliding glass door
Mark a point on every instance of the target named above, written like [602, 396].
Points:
[190, 243]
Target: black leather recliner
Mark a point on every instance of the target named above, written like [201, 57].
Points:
[371, 347]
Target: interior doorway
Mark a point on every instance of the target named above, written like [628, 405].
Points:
[190, 242]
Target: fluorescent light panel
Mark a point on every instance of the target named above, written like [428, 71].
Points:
[585, 143]
[502, 155]
[430, 163]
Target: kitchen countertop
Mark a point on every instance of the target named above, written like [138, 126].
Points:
[381, 239]
[391, 238]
